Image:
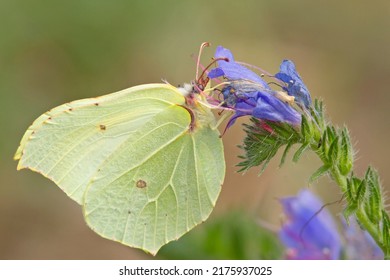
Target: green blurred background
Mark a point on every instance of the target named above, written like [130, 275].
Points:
[53, 52]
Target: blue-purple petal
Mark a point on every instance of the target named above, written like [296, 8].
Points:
[270, 108]
[243, 105]
[248, 94]
[262, 106]
[295, 86]
[234, 71]
[215, 73]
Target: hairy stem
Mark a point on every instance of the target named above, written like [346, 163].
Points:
[363, 196]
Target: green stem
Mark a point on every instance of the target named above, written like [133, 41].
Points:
[339, 179]
[372, 230]
[367, 204]
[363, 196]
[361, 215]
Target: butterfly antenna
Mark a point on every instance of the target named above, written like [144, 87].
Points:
[201, 80]
[202, 46]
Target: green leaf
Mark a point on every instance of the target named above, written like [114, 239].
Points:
[285, 152]
[349, 210]
[374, 203]
[346, 155]
[318, 114]
[324, 147]
[261, 145]
[331, 133]
[355, 195]
[306, 129]
[319, 172]
[300, 151]
[386, 229]
[360, 191]
[146, 166]
[334, 150]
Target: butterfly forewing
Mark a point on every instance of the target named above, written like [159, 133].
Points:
[69, 143]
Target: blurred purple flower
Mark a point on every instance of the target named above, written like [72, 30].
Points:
[248, 94]
[295, 86]
[359, 244]
[311, 233]
[306, 234]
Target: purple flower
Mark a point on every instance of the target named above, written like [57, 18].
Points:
[311, 233]
[294, 84]
[261, 105]
[308, 234]
[248, 94]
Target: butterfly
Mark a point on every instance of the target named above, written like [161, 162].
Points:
[145, 163]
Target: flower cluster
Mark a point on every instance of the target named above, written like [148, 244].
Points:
[311, 233]
[286, 117]
[248, 94]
